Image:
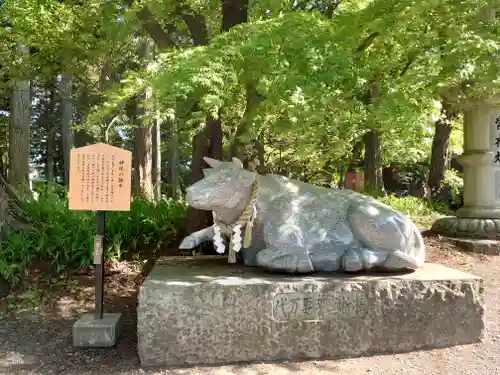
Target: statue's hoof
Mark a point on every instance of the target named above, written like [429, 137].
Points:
[188, 243]
[287, 261]
[352, 261]
[397, 260]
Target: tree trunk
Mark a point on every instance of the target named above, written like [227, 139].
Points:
[253, 99]
[51, 135]
[143, 147]
[12, 215]
[214, 127]
[173, 174]
[355, 157]
[209, 141]
[19, 137]
[144, 134]
[373, 177]
[155, 30]
[66, 86]
[373, 167]
[157, 159]
[439, 151]
[261, 153]
[234, 12]
[197, 219]
[144, 157]
[81, 136]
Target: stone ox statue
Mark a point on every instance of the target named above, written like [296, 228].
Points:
[294, 227]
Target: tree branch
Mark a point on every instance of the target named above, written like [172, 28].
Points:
[367, 42]
[195, 24]
[149, 23]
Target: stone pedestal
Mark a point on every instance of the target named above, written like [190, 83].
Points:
[204, 311]
[88, 331]
[480, 215]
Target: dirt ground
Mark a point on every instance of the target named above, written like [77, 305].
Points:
[35, 329]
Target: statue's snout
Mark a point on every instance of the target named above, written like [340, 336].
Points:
[196, 198]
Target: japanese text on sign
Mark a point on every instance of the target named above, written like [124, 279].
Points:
[315, 306]
[100, 178]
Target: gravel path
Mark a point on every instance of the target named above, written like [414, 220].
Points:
[38, 341]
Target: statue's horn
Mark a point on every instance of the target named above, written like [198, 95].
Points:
[238, 162]
[211, 162]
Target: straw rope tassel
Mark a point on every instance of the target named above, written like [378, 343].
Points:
[245, 220]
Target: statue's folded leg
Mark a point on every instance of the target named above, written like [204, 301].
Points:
[413, 257]
[286, 259]
[197, 238]
[379, 228]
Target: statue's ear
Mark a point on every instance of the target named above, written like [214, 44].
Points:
[238, 162]
[211, 162]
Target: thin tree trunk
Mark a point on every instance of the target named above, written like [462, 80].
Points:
[66, 86]
[261, 153]
[253, 99]
[373, 158]
[356, 156]
[214, 127]
[4, 154]
[49, 125]
[19, 137]
[144, 157]
[439, 151]
[144, 135]
[173, 174]
[373, 149]
[157, 158]
[132, 112]
[81, 136]
[162, 39]
[209, 141]
[197, 219]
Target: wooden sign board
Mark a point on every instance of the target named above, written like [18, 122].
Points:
[354, 180]
[100, 178]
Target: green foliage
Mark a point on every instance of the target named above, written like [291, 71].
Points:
[454, 183]
[423, 212]
[65, 238]
[413, 206]
[314, 74]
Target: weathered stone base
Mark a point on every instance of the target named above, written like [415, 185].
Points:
[474, 245]
[88, 331]
[202, 311]
[467, 227]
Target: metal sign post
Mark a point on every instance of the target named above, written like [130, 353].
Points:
[100, 180]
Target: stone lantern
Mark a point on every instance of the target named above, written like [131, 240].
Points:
[479, 218]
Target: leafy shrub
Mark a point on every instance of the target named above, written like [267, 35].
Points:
[453, 184]
[65, 238]
[414, 206]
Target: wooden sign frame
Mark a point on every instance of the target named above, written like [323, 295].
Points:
[100, 178]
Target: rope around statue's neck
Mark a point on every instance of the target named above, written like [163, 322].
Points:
[245, 220]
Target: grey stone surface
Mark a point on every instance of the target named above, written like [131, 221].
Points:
[88, 331]
[302, 228]
[203, 311]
